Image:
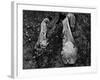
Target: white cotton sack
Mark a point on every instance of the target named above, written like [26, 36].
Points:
[69, 53]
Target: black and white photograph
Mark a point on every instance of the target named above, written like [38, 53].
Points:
[54, 39]
[50, 40]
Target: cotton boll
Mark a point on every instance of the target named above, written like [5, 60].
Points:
[68, 47]
[44, 43]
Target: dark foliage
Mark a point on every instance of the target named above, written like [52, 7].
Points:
[51, 56]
